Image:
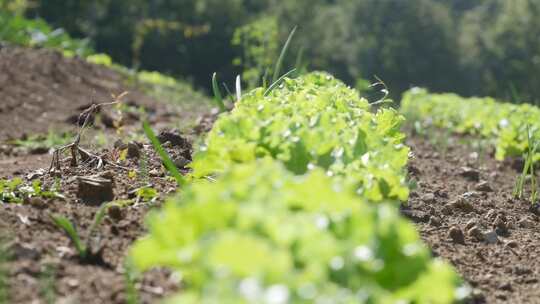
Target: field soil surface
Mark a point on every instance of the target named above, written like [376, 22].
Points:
[464, 209]
[40, 90]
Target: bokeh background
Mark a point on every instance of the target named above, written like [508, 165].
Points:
[480, 47]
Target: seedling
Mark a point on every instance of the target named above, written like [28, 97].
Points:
[169, 164]
[16, 191]
[86, 251]
[279, 62]
[218, 99]
[528, 169]
[130, 276]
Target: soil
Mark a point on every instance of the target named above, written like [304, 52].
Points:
[41, 90]
[465, 211]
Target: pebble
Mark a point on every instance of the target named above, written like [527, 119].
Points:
[115, 212]
[470, 173]
[511, 244]
[476, 233]
[434, 221]
[428, 198]
[461, 204]
[456, 235]
[483, 186]
[133, 150]
[491, 237]
[155, 173]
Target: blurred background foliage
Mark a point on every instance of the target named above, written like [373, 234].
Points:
[481, 47]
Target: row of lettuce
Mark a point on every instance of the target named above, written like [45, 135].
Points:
[294, 199]
[508, 125]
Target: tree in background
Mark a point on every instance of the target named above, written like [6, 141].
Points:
[482, 47]
[501, 48]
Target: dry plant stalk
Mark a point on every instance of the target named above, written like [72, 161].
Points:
[75, 147]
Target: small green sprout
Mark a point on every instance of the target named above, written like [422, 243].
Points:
[169, 164]
[218, 99]
[528, 169]
[84, 249]
[17, 191]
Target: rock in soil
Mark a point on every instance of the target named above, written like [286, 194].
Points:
[475, 233]
[133, 150]
[456, 235]
[95, 190]
[491, 237]
[461, 204]
[483, 187]
[470, 173]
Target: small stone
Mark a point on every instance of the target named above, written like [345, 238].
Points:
[461, 204]
[483, 186]
[95, 190]
[133, 150]
[36, 202]
[506, 286]
[500, 225]
[428, 198]
[475, 233]
[180, 162]
[115, 212]
[456, 235]
[511, 244]
[434, 221]
[155, 173]
[491, 237]
[119, 144]
[470, 173]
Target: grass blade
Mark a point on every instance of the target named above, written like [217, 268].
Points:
[277, 82]
[163, 154]
[66, 225]
[218, 99]
[277, 68]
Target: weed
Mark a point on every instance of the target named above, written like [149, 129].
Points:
[86, 251]
[169, 165]
[279, 62]
[48, 141]
[528, 169]
[218, 99]
[16, 191]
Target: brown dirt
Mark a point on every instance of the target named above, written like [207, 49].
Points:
[40, 90]
[451, 199]
[36, 244]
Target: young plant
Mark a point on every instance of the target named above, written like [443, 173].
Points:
[528, 169]
[279, 62]
[169, 164]
[86, 251]
[218, 99]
